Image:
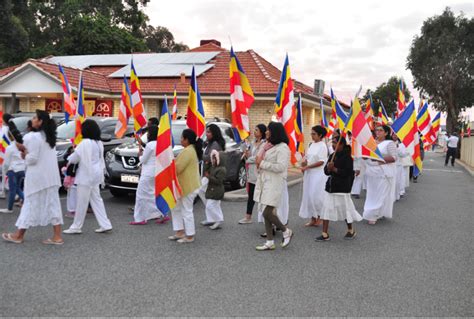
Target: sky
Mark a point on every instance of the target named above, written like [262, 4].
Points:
[345, 43]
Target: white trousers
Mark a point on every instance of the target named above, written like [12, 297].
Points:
[202, 190]
[86, 195]
[182, 214]
[213, 211]
[71, 199]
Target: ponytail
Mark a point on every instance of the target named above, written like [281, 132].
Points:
[193, 140]
[48, 127]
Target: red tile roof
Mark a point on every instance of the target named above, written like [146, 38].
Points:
[262, 75]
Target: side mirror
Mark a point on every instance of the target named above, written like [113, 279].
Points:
[105, 137]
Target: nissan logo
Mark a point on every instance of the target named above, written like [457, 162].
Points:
[132, 161]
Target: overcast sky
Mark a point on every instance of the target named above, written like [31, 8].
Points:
[345, 43]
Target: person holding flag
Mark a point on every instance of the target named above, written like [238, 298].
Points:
[187, 170]
[314, 178]
[381, 178]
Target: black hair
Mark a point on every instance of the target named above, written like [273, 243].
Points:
[262, 128]
[189, 135]
[216, 135]
[153, 121]
[277, 133]
[29, 126]
[152, 133]
[91, 130]
[342, 142]
[318, 129]
[48, 127]
[388, 132]
[6, 117]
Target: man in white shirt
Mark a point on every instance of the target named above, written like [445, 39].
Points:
[452, 149]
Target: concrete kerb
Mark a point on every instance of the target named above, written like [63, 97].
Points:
[468, 168]
[237, 196]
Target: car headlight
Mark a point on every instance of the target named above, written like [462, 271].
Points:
[109, 156]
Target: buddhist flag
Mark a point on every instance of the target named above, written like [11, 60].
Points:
[69, 105]
[406, 128]
[285, 107]
[299, 126]
[81, 112]
[138, 109]
[435, 125]
[341, 115]
[369, 112]
[4, 142]
[401, 104]
[361, 131]
[324, 120]
[468, 130]
[195, 116]
[125, 110]
[383, 114]
[241, 96]
[167, 189]
[174, 114]
[423, 120]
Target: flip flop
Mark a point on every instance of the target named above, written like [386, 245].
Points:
[138, 223]
[8, 237]
[163, 220]
[49, 241]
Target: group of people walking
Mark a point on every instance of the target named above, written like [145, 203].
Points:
[330, 176]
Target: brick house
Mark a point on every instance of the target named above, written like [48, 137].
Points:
[35, 84]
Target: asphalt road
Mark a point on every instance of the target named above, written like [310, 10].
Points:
[420, 263]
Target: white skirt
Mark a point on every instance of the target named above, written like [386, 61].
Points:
[314, 182]
[339, 207]
[41, 209]
[380, 198]
[145, 205]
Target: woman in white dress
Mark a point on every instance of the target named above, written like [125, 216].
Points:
[381, 178]
[89, 154]
[41, 206]
[314, 178]
[402, 154]
[338, 205]
[359, 177]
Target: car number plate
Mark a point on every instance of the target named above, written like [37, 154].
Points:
[130, 178]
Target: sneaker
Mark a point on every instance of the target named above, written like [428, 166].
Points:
[287, 235]
[2, 195]
[174, 237]
[244, 221]
[186, 240]
[265, 247]
[72, 231]
[215, 226]
[372, 222]
[206, 223]
[102, 230]
[6, 211]
[322, 238]
[350, 236]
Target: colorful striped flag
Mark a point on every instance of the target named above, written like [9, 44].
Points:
[195, 115]
[435, 125]
[125, 110]
[69, 105]
[406, 128]
[241, 96]
[299, 126]
[81, 112]
[361, 132]
[341, 115]
[137, 102]
[423, 120]
[383, 117]
[5, 141]
[174, 114]
[167, 189]
[285, 107]
[324, 120]
[369, 112]
[401, 104]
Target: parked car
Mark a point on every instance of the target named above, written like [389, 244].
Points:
[123, 165]
[21, 120]
[66, 132]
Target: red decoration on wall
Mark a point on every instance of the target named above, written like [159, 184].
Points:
[104, 108]
[53, 105]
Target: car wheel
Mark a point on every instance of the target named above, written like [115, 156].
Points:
[118, 192]
[241, 180]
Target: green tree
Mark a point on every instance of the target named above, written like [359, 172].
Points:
[387, 92]
[14, 39]
[160, 39]
[441, 61]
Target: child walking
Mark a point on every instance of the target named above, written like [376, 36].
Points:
[215, 189]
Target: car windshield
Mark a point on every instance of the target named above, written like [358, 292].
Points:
[66, 131]
[21, 123]
[176, 131]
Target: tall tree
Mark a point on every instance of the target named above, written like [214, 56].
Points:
[14, 40]
[160, 39]
[441, 61]
[387, 92]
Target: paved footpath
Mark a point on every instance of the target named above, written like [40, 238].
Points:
[420, 263]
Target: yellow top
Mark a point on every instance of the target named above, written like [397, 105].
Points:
[187, 169]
